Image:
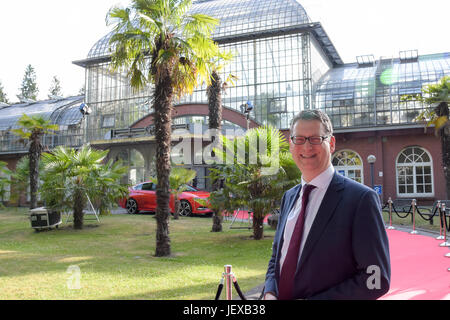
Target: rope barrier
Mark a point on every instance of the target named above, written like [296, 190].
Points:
[445, 243]
[412, 207]
[229, 277]
[446, 224]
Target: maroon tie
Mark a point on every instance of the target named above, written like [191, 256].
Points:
[286, 283]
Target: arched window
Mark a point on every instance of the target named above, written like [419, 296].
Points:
[414, 172]
[348, 163]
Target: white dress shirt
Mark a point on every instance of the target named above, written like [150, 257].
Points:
[321, 182]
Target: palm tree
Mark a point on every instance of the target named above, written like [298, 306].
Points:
[179, 177]
[70, 176]
[21, 177]
[5, 180]
[436, 96]
[261, 171]
[31, 131]
[214, 93]
[158, 43]
[109, 186]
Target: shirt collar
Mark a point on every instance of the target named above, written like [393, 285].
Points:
[322, 181]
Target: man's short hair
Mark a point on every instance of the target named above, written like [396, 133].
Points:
[314, 114]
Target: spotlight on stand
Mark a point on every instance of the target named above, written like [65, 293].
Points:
[246, 108]
[85, 109]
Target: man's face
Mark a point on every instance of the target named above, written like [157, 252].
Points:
[311, 159]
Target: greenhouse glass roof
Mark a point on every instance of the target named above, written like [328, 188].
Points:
[348, 78]
[64, 112]
[237, 18]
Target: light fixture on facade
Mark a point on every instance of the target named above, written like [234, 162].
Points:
[85, 109]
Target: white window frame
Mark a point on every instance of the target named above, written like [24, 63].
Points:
[414, 165]
[346, 168]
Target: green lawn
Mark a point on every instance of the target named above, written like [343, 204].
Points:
[116, 261]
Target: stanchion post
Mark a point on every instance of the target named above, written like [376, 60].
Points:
[445, 243]
[413, 205]
[228, 282]
[390, 214]
[441, 237]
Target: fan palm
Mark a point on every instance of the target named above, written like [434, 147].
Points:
[21, 177]
[71, 175]
[179, 177]
[436, 96]
[31, 131]
[156, 42]
[214, 93]
[5, 180]
[259, 169]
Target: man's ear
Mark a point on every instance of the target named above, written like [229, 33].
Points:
[332, 144]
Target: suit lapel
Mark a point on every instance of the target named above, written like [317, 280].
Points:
[326, 211]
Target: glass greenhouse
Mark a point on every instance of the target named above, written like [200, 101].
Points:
[284, 63]
[279, 56]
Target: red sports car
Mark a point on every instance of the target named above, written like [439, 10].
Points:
[142, 197]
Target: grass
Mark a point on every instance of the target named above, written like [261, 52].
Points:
[116, 259]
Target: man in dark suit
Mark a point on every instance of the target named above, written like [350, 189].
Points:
[330, 241]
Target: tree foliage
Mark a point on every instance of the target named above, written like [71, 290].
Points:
[3, 97]
[70, 176]
[256, 169]
[436, 97]
[29, 88]
[157, 43]
[55, 87]
[5, 180]
[31, 130]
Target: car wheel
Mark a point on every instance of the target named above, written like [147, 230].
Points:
[185, 208]
[132, 207]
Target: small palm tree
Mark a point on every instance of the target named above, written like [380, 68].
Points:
[214, 93]
[436, 97]
[110, 190]
[21, 177]
[30, 132]
[221, 199]
[158, 43]
[5, 181]
[71, 175]
[179, 177]
[262, 169]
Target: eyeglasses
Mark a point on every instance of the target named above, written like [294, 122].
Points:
[314, 140]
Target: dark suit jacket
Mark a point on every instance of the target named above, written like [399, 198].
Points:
[347, 239]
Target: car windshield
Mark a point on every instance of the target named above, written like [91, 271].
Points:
[190, 188]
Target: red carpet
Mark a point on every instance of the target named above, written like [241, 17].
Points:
[418, 268]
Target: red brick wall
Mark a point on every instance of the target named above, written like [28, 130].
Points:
[385, 146]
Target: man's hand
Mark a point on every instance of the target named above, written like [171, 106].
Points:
[269, 296]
